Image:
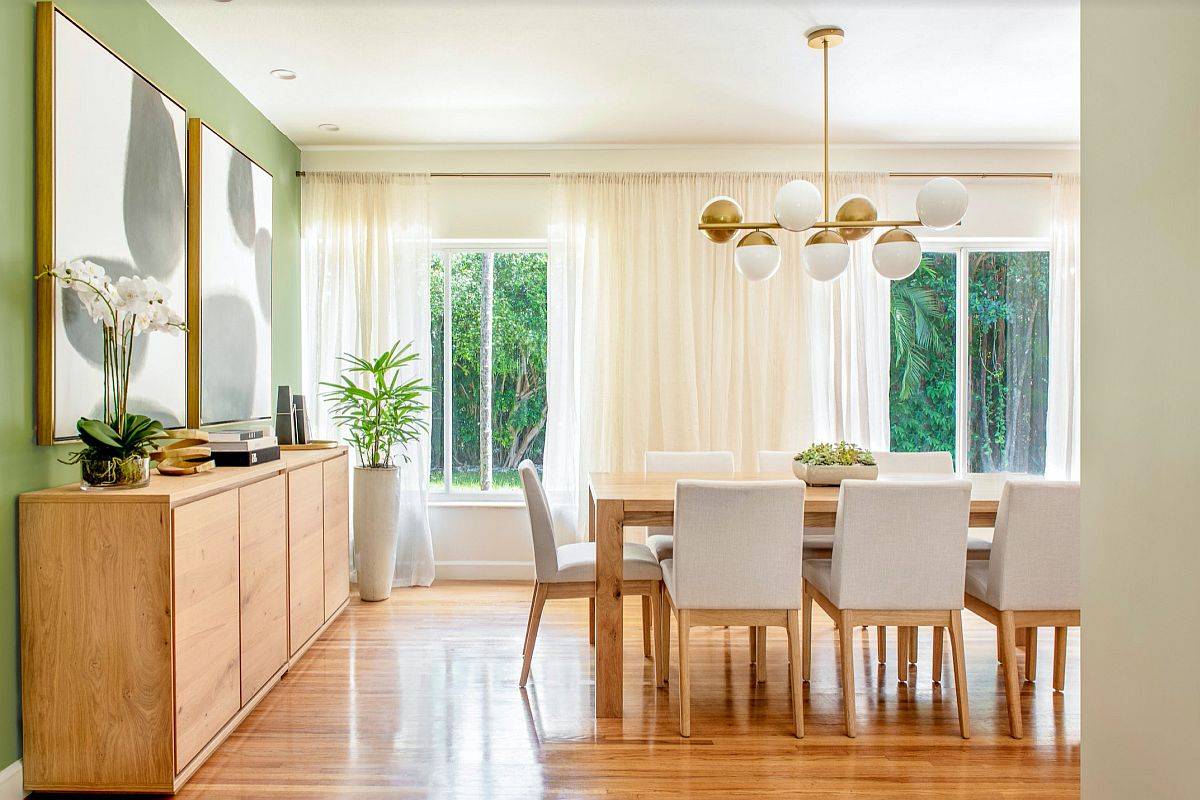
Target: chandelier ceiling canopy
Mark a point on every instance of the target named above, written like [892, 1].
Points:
[801, 206]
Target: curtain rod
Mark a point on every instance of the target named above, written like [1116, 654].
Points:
[1046, 175]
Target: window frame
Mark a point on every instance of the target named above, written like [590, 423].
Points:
[445, 249]
[962, 247]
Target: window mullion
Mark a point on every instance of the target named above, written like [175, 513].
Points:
[447, 375]
[962, 375]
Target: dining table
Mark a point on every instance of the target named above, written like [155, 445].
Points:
[620, 500]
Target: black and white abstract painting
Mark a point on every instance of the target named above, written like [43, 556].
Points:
[119, 201]
[235, 284]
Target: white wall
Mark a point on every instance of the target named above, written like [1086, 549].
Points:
[492, 542]
[1141, 384]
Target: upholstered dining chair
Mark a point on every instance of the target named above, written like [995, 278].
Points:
[569, 570]
[916, 464]
[737, 560]
[776, 461]
[1031, 578]
[899, 553]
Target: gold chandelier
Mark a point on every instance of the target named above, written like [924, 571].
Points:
[800, 206]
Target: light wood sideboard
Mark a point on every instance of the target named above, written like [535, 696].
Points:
[154, 620]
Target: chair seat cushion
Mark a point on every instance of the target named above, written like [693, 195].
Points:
[819, 572]
[817, 545]
[663, 546]
[977, 579]
[577, 562]
[975, 543]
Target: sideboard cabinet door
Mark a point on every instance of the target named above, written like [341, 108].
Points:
[263, 513]
[337, 533]
[306, 552]
[207, 640]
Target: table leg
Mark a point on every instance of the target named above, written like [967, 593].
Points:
[609, 525]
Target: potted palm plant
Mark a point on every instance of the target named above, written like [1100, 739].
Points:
[829, 464]
[380, 414]
[116, 449]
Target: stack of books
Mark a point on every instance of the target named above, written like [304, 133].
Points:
[242, 447]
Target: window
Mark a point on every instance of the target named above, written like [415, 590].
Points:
[970, 356]
[488, 325]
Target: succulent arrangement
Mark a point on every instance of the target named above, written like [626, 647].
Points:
[842, 454]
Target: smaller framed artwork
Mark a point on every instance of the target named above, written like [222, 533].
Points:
[229, 281]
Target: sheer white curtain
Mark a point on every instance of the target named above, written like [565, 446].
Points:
[1062, 404]
[849, 333]
[365, 254]
[656, 342]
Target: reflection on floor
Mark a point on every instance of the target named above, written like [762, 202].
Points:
[418, 697]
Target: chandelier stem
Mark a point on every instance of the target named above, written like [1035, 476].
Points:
[825, 59]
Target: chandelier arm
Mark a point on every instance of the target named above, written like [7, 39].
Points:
[754, 226]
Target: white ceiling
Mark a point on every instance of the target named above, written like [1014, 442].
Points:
[394, 72]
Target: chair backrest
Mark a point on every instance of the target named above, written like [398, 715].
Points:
[541, 523]
[901, 544]
[685, 461]
[689, 461]
[738, 544]
[1034, 564]
[934, 463]
[776, 460]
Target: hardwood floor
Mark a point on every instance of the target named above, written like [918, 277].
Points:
[417, 697]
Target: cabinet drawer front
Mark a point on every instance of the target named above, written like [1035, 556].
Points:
[207, 641]
[337, 533]
[306, 553]
[263, 515]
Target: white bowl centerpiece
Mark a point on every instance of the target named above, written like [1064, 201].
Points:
[829, 464]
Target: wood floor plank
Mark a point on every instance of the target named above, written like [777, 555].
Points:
[417, 697]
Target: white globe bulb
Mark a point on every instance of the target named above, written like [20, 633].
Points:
[826, 255]
[797, 205]
[941, 203]
[756, 256]
[896, 254]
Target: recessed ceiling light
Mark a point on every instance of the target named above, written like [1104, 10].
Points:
[282, 74]
[328, 126]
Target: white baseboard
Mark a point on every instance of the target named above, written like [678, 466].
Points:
[485, 570]
[12, 783]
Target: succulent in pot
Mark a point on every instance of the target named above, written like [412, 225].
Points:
[116, 449]
[381, 415]
[826, 464]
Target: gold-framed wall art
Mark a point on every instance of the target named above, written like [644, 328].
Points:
[230, 255]
[109, 185]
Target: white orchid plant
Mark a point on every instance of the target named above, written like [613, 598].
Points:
[125, 309]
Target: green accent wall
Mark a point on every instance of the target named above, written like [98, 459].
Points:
[143, 38]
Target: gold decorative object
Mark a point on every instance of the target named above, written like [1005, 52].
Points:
[187, 454]
[941, 203]
[315, 444]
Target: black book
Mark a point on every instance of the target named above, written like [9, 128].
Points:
[247, 458]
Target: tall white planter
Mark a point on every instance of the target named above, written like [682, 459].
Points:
[376, 529]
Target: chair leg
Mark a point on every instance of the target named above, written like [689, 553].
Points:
[665, 633]
[646, 627]
[903, 639]
[592, 621]
[938, 631]
[912, 645]
[960, 673]
[881, 643]
[685, 684]
[753, 634]
[1031, 654]
[846, 635]
[655, 599]
[1012, 685]
[999, 647]
[1060, 659]
[529, 617]
[806, 602]
[535, 619]
[796, 682]
[760, 657]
